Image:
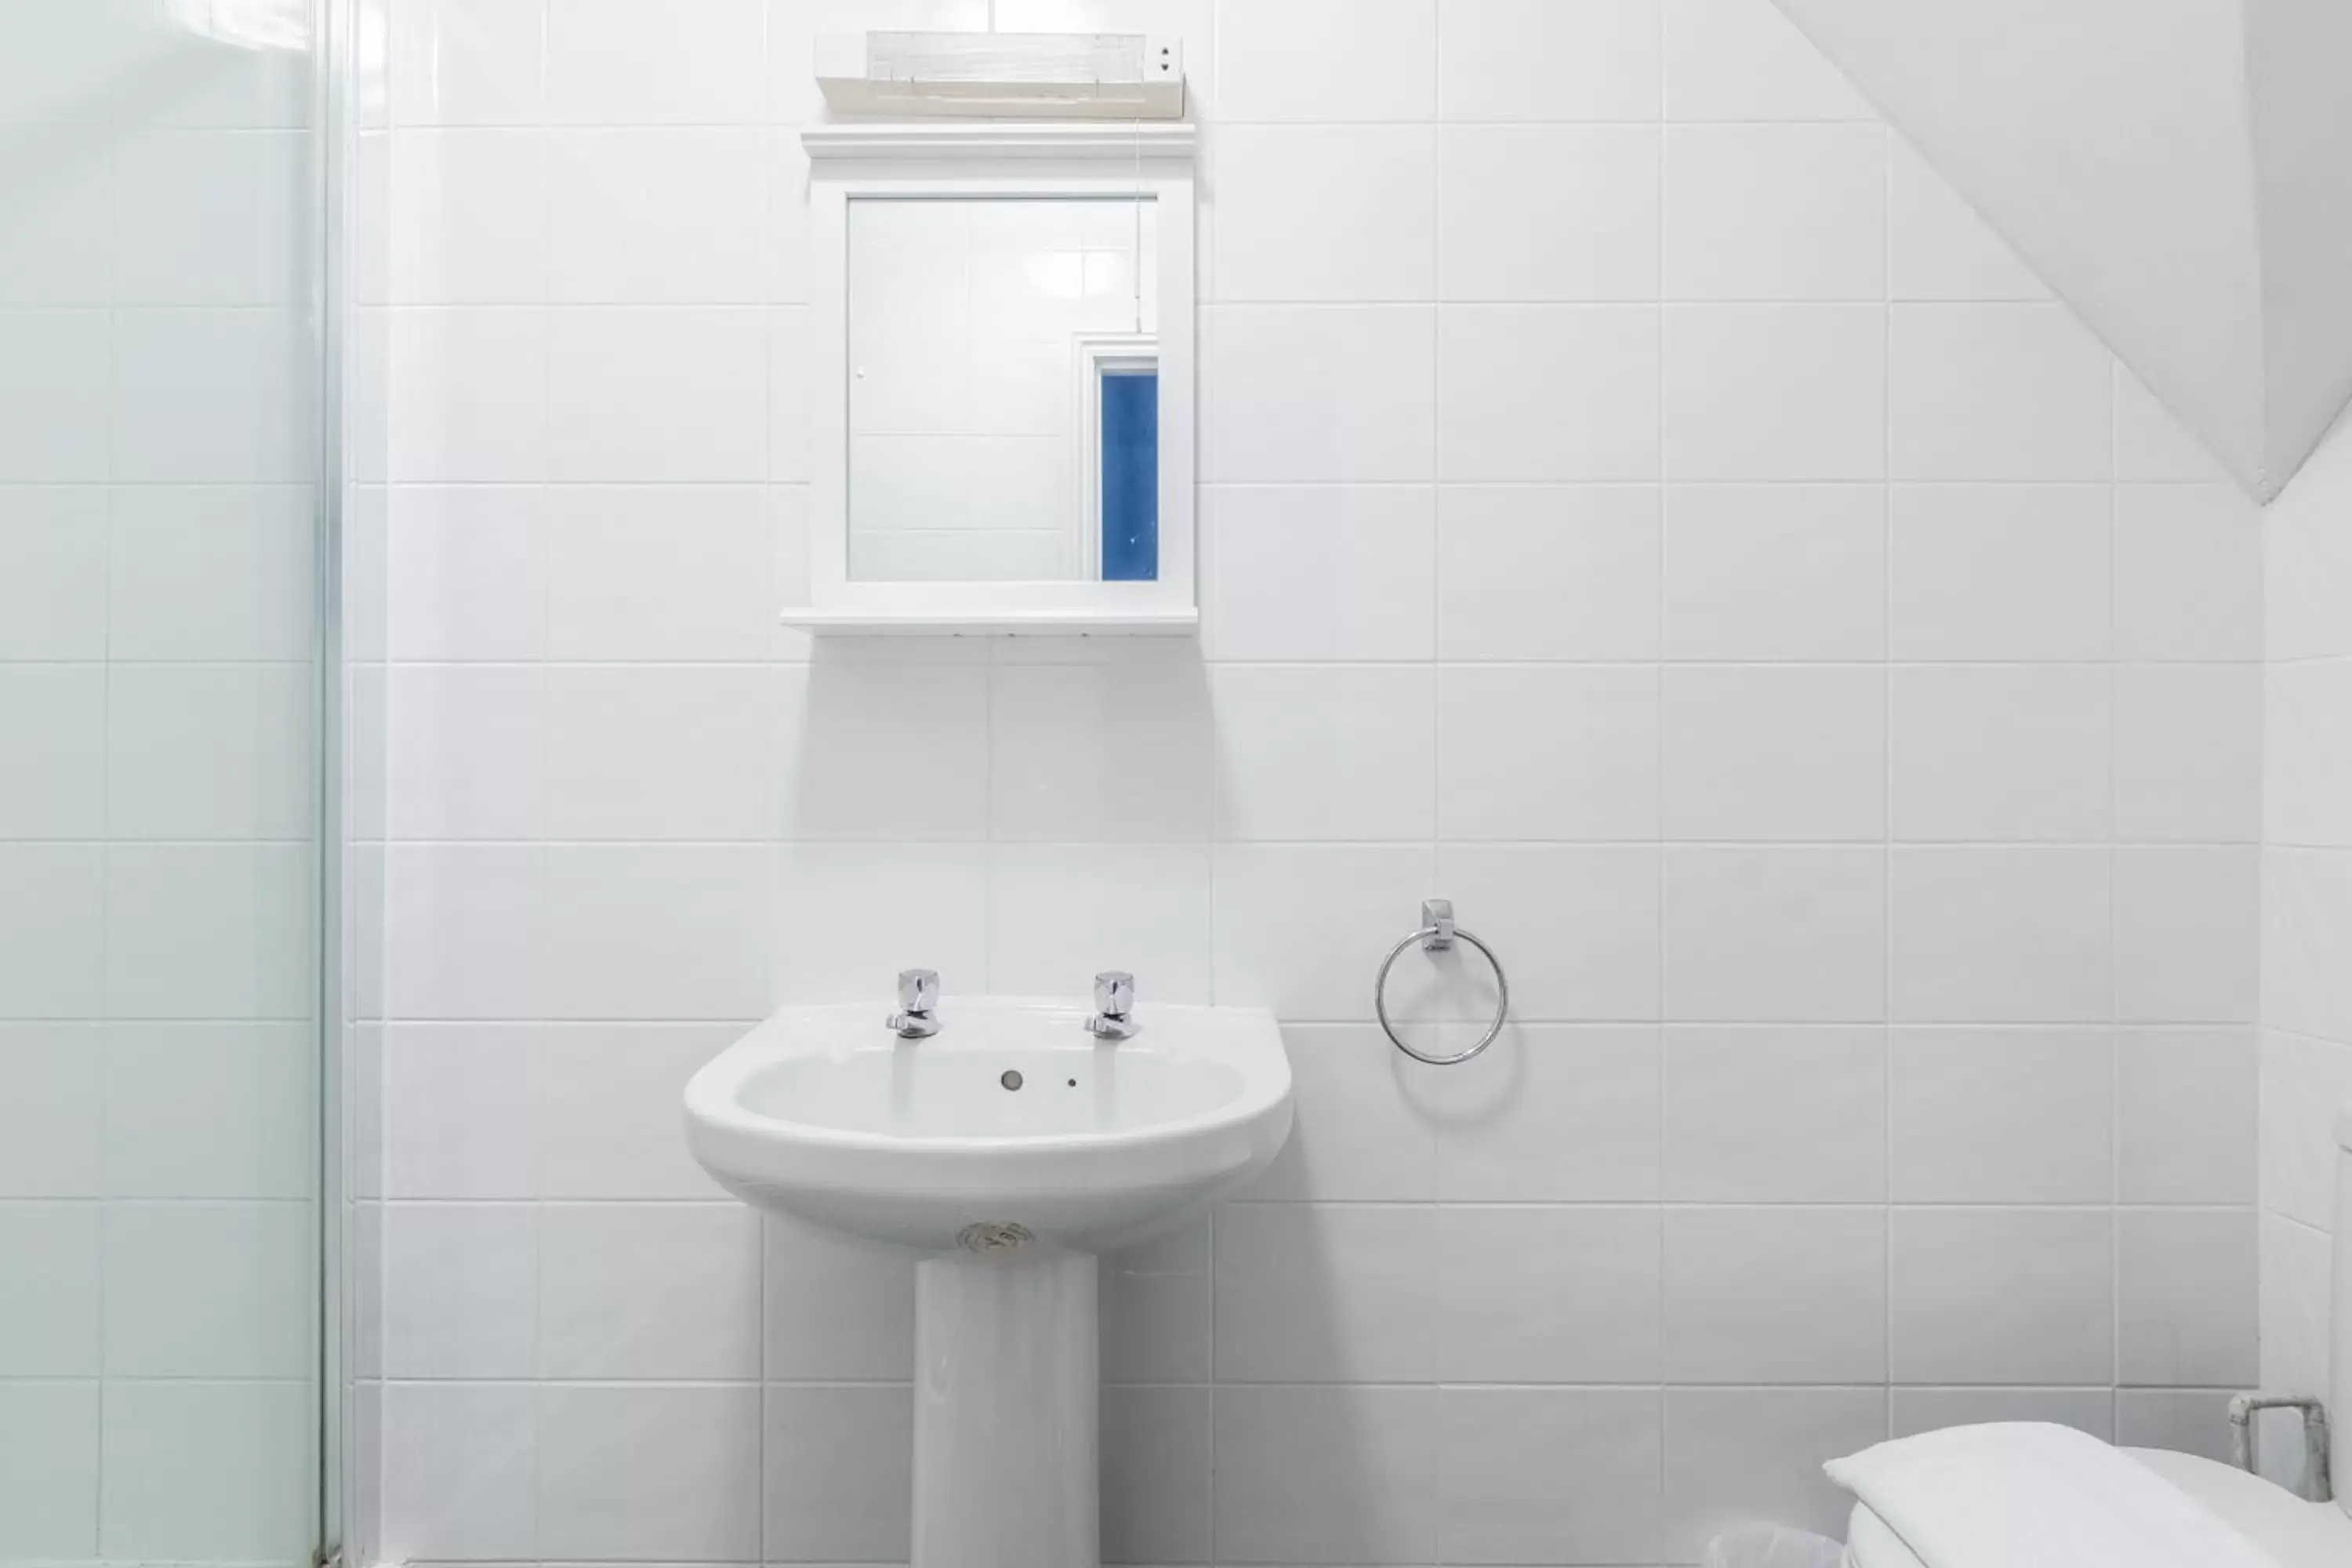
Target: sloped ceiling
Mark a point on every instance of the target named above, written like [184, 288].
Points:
[2178, 170]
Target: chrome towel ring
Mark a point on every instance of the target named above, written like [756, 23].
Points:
[1437, 933]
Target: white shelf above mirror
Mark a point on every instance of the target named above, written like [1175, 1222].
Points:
[1001, 379]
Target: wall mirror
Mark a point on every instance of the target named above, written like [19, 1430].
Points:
[1002, 406]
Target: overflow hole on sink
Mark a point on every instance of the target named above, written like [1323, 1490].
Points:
[1074, 1083]
[1012, 1078]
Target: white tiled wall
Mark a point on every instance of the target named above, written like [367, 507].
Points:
[2306, 931]
[158, 1068]
[1639, 502]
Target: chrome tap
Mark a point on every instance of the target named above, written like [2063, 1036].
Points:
[1113, 1017]
[918, 999]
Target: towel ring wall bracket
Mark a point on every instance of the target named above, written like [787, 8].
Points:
[1438, 933]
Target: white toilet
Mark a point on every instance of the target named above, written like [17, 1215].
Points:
[2299, 1534]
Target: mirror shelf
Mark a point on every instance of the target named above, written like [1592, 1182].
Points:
[1002, 373]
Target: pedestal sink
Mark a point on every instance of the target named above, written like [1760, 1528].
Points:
[1011, 1147]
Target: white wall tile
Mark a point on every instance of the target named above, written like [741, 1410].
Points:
[702, 61]
[252, 1087]
[48, 1496]
[467, 748]
[57, 713]
[460, 1291]
[467, 62]
[1305, 751]
[655, 394]
[207, 216]
[2307, 743]
[1528, 213]
[2187, 578]
[1317, 572]
[460, 1461]
[2185, 1115]
[467, 217]
[52, 1137]
[1534, 1294]
[54, 1266]
[2088, 1410]
[1734, 1456]
[468, 394]
[1551, 1115]
[1337, 395]
[850, 729]
[53, 394]
[1546, 393]
[839, 1472]
[2001, 1116]
[2000, 572]
[1529, 571]
[53, 574]
[2186, 934]
[53, 929]
[649, 573]
[834, 1307]
[1743, 60]
[237, 1306]
[1158, 1308]
[654, 1473]
[225, 1471]
[685, 751]
[656, 931]
[210, 572]
[1055, 918]
[2006, 1296]
[606, 1103]
[1775, 752]
[1787, 935]
[1325, 1475]
[1774, 391]
[2007, 752]
[2186, 1282]
[1325, 1293]
[1999, 934]
[1326, 213]
[842, 928]
[2306, 907]
[1775, 571]
[1548, 1475]
[216, 394]
[462, 931]
[673, 216]
[1327, 60]
[209, 930]
[1775, 1295]
[1365, 1126]
[458, 1110]
[1995, 391]
[1938, 248]
[2186, 1420]
[1289, 920]
[1534, 61]
[465, 568]
[1157, 1456]
[1774, 211]
[1591, 773]
[1775, 1114]
[209, 751]
[648, 1290]
[1593, 909]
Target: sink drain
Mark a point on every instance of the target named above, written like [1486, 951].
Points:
[987, 1237]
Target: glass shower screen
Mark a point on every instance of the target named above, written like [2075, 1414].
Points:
[160, 768]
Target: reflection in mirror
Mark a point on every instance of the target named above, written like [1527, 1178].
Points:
[1004, 390]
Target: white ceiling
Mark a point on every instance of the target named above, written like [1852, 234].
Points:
[2178, 170]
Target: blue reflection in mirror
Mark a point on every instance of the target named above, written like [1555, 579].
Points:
[1130, 475]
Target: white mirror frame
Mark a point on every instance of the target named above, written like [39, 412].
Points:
[983, 160]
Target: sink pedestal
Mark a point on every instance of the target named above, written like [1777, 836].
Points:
[1007, 1380]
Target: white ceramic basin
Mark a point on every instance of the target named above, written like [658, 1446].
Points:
[824, 1114]
[1013, 1146]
